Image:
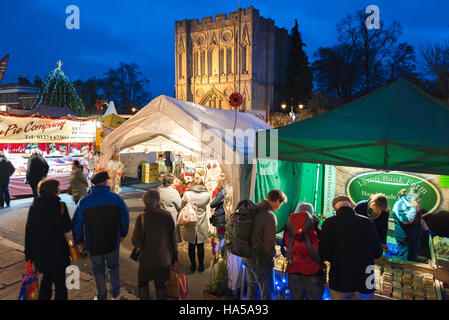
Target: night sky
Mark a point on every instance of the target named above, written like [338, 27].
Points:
[142, 31]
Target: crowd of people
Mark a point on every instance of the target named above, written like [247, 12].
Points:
[350, 240]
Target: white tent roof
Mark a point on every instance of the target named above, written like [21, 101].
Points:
[168, 120]
[111, 109]
[171, 124]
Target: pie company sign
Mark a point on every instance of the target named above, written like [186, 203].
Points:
[362, 186]
[29, 129]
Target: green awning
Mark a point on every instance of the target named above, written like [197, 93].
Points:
[398, 127]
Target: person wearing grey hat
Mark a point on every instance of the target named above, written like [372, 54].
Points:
[102, 219]
[350, 243]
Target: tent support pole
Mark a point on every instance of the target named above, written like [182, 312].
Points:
[253, 180]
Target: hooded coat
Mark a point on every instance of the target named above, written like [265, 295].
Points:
[78, 184]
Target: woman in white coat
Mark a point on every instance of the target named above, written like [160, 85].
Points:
[198, 234]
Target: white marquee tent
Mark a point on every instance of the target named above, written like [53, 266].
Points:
[170, 124]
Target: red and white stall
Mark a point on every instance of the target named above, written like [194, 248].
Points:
[61, 141]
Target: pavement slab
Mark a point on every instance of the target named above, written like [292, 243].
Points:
[12, 274]
[10, 292]
[10, 257]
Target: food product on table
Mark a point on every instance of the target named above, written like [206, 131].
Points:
[404, 284]
[441, 247]
[397, 294]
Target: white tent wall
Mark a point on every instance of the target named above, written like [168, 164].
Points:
[193, 127]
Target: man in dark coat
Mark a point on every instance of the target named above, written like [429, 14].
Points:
[37, 169]
[6, 171]
[376, 208]
[259, 271]
[351, 244]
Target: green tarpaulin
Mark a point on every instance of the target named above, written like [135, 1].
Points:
[398, 127]
[300, 182]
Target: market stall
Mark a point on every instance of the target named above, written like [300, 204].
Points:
[61, 140]
[398, 127]
[201, 134]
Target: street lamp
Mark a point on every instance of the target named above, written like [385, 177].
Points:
[292, 113]
[134, 109]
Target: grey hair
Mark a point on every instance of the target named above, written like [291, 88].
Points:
[305, 207]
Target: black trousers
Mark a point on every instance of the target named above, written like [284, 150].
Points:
[200, 249]
[33, 185]
[50, 278]
[4, 195]
[144, 290]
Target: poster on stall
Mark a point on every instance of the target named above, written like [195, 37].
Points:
[32, 129]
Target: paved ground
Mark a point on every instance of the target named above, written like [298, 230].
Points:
[12, 230]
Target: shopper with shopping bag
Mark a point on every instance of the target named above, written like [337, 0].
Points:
[45, 241]
[155, 236]
[30, 284]
[196, 234]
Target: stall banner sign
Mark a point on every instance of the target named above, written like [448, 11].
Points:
[330, 181]
[17, 147]
[3, 146]
[29, 129]
[444, 182]
[362, 186]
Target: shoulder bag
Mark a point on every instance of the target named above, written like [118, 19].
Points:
[136, 254]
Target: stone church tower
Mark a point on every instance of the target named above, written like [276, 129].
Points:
[243, 53]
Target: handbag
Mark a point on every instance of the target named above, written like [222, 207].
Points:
[74, 254]
[30, 284]
[136, 254]
[177, 285]
[188, 214]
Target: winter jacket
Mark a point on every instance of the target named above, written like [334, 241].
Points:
[78, 184]
[218, 205]
[264, 235]
[6, 170]
[102, 219]
[199, 232]
[45, 244]
[381, 222]
[170, 201]
[158, 240]
[351, 244]
[37, 168]
[407, 220]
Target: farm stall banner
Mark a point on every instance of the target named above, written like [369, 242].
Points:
[31, 129]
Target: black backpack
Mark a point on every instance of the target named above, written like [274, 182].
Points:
[238, 233]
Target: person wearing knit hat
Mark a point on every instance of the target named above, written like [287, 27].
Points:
[100, 177]
[341, 201]
[102, 220]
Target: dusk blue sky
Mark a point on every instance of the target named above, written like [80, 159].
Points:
[142, 31]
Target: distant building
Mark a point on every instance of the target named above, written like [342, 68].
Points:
[243, 53]
[18, 95]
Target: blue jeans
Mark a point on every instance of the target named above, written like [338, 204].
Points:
[259, 277]
[98, 266]
[4, 195]
[308, 287]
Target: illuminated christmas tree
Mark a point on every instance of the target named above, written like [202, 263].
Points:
[58, 91]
